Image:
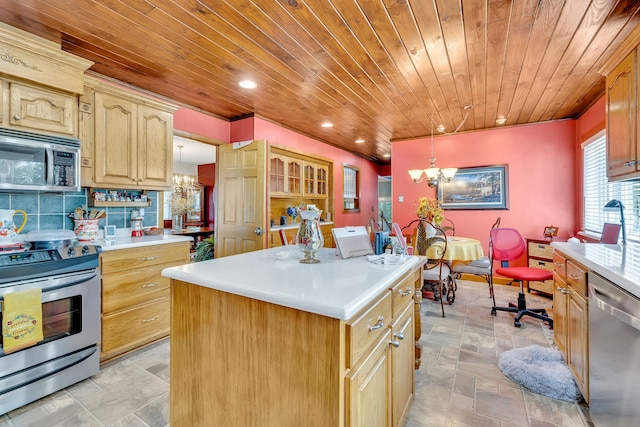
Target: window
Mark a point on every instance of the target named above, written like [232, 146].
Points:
[351, 180]
[598, 191]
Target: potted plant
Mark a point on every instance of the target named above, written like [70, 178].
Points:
[204, 249]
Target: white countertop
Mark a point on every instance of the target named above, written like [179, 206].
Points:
[124, 242]
[334, 287]
[295, 225]
[618, 263]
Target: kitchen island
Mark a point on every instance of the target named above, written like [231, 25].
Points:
[259, 339]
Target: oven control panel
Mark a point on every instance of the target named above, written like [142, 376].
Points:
[44, 255]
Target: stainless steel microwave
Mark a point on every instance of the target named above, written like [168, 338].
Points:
[38, 162]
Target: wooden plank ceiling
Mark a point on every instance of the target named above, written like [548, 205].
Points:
[379, 70]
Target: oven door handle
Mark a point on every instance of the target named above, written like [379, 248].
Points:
[52, 284]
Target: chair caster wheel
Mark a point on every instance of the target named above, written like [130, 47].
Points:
[517, 324]
[544, 313]
[493, 311]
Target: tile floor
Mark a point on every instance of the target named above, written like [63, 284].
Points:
[459, 383]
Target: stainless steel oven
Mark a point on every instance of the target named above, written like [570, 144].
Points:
[69, 280]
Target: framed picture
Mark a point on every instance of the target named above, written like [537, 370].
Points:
[550, 231]
[485, 187]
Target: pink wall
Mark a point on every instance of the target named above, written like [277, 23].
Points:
[198, 123]
[541, 160]
[368, 170]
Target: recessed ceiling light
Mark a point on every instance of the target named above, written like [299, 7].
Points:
[440, 128]
[327, 125]
[248, 84]
[359, 141]
[501, 120]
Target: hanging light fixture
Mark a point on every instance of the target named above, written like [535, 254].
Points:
[183, 194]
[432, 174]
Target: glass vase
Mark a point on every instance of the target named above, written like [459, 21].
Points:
[309, 237]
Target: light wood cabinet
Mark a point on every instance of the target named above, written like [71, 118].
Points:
[314, 179]
[571, 321]
[285, 176]
[36, 108]
[291, 367]
[135, 297]
[622, 119]
[126, 139]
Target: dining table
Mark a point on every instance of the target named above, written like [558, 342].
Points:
[460, 249]
[198, 233]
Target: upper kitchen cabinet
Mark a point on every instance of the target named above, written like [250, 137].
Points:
[126, 139]
[623, 114]
[315, 179]
[622, 147]
[285, 175]
[39, 84]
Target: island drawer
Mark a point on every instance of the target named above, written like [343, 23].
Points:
[129, 329]
[402, 293]
[136, 258]
[367, 327]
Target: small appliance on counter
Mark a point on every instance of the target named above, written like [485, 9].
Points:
[136, 223]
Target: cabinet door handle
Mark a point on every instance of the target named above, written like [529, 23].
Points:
[141, 179]
[149, 285]
[149, 320]
[399, 335]
[378, 325]
[17, 117]
[406, 293]
[149, 258]
[562, 290]
[394, 343]
[559, 264]
[574, 276]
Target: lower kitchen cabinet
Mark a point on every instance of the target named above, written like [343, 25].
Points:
[571, 317]
[135, 297]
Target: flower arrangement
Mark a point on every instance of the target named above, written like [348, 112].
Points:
[430, 210]
[292, 211]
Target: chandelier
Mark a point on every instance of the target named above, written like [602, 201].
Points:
[433, 174]
[183, 195]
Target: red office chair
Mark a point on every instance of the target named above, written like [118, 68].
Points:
[506, 244]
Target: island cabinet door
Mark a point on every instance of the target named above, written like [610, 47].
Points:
[368, 387]
[402, 366]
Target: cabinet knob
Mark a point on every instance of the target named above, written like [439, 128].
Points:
[399, 335]
[141, 179]
[394, 343]
[17, 117]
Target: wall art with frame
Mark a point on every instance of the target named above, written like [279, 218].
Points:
[484, 187]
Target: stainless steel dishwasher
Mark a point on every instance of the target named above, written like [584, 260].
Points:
[614, 354]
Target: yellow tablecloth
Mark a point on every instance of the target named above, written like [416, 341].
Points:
[461, 249]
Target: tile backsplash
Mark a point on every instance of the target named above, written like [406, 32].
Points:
[49, 211]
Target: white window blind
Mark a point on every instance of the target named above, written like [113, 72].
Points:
[598, 191]
[349, 183]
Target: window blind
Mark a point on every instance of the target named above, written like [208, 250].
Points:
[350, 186]
[598, 191]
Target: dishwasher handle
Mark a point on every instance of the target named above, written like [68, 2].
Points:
[615, 302]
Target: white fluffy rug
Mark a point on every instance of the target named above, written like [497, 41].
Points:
[541, 370]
